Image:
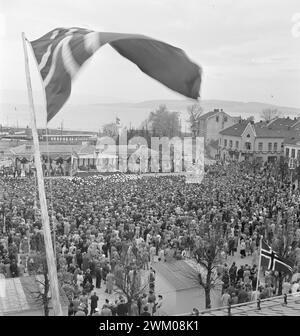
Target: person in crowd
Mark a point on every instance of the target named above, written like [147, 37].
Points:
[145, 312]
[94, 303]
[105, 311]
[225, 299]
[122, 308]
[97, 313]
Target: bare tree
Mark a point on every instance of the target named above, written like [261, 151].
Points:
[282, 243]
[129, 281]
[270, 114]
[40, 292]
[195, 111]
[208, 257]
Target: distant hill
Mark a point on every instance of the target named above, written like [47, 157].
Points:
[92, 116]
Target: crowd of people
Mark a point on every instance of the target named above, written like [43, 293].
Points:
[110, 230]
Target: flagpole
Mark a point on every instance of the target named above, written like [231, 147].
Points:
[52, 271]
[259, 265]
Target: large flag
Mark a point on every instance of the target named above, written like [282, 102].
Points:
[61, 52]
[273, 261]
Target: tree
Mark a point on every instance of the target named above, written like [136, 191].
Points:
[270, 114]
[164, 123]
[283, 243]
[194, 111]
[41, 291]
[110, 130]
[129, 277]
[208, 257]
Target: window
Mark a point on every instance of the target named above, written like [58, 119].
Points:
[269, 146]
[293, 152]
[260, 146]
[275, 146]
[225, 119]
[236, 144]
[248, 145]
[230, 143]
[225, 142]
[217, 118]
[287, 152]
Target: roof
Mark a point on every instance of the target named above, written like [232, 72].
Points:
[18, 296]
[284, 123]
[178, 274]
[267, 132]
[236, 129]
[66, 132]
[293, 141]
[208, 114]
[58, 149]
[69, 135]
[261, 130]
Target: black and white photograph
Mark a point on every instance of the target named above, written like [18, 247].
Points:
[149, 161]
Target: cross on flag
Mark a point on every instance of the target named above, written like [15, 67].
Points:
[273, 261]
[61, 53]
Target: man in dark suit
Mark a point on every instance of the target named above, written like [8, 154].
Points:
[122, 308]
[145, 312]
[94, 303]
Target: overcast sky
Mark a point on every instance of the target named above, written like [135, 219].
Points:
[246, 48]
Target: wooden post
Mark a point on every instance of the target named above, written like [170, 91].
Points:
[43, 202]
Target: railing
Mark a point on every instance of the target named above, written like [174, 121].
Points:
[284, 299]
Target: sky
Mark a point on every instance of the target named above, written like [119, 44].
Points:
[249, 50]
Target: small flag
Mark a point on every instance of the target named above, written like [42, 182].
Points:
[273, 261]
[61, 53]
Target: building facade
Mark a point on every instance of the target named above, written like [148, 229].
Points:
[292, 148]
[211, 123]
[261, 141]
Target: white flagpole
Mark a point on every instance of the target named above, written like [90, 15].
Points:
[259, 265]
[52, 272]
